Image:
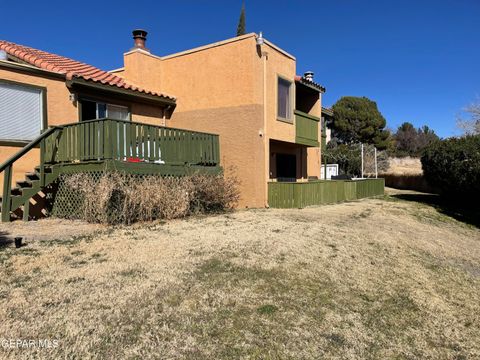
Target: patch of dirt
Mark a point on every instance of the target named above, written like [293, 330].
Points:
[48, 229]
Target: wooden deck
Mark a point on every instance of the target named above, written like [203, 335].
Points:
[107, 144]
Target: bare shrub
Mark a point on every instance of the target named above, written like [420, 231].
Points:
[123, 198]
[213, 193]
[97, 195]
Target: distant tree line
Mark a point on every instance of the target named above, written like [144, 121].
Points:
[357, 120]
[451, 165]
[409, 141]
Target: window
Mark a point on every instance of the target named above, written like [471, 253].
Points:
[21, 112]
[284, 110]
[92, 110]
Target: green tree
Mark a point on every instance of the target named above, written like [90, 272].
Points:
[406, 140]
[410, 141]
[425, 137]
[358, 120]
[241, 21]
[453, 166]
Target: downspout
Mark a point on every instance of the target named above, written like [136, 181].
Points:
[264, 56]
[265, 132]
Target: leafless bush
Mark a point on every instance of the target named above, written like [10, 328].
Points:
[471, 126]
[213, 193]
[122, 198]
[369, 160]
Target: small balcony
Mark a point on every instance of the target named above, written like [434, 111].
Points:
[306, 129]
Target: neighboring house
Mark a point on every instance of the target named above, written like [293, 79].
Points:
[40, 90]
[327, 115]
[246, 90]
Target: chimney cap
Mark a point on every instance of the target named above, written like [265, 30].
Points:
[140, 33]
[308, 75]
[139, 39]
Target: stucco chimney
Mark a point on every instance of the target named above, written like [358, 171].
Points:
[139, 38]
[308, 75]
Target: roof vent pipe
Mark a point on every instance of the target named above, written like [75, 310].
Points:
[260, 39]
[139, 38]
[308, 75]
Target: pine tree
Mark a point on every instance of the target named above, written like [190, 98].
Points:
[241, 22]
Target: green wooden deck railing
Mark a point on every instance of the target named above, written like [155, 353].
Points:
[301, 194]
[108, 139]
[306, 129]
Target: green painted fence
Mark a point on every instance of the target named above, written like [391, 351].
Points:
[301, 194]
[108, 139]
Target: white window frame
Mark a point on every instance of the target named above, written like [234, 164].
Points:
[97, 102]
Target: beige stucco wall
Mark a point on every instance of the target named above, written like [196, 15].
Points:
[148, 114]
[222, 89]
[278, 65]
[241, 148]
[136, 62]
[219, 90]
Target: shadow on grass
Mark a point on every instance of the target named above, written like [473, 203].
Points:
[5, 240]
[461, 211]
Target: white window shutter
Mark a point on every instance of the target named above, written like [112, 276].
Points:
[21, 112]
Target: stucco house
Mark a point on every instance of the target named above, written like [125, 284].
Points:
[51, 122]
[247, 90]
[241, 95]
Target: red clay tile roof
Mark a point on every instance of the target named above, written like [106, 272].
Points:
[303, 80]
[70, 68]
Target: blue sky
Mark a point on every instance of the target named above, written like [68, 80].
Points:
[419, 60]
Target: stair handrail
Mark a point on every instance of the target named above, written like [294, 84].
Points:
[28, 147]
[7, 168]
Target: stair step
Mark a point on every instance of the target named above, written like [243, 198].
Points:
[24, 184]
[25, 190]
[16, 191]
[32, 176]
[47, 169]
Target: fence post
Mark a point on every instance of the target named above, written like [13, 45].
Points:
[42, 162]
[6, 200]
[362, 162]
[26, 210]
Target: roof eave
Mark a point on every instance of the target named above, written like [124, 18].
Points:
[79, 83]
[327, 111]
[320, 88]
[30, 69]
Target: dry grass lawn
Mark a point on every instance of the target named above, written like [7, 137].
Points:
[372, 279]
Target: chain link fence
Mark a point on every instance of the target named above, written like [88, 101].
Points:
[357, 160]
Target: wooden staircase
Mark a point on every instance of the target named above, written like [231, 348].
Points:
[15, 202]
[91, 146]
[22, 194]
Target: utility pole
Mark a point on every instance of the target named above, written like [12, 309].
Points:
[376, 166]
